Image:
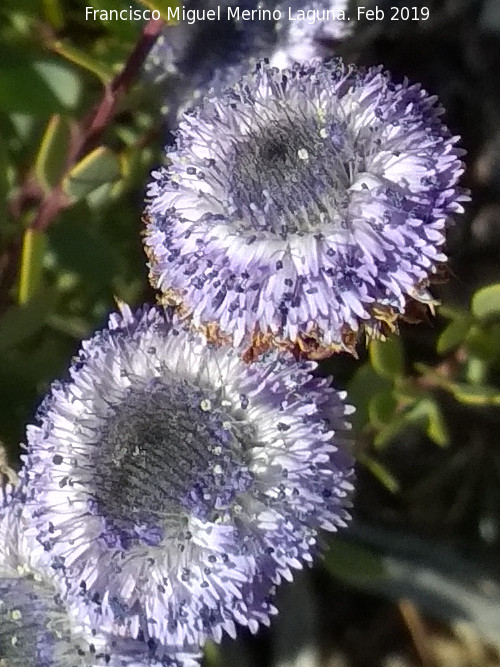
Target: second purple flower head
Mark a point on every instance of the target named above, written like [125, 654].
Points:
[304, 206]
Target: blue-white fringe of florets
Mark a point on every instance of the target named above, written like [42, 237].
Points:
[38, 624]
[215, 562]
[37, 629]
[304, 202]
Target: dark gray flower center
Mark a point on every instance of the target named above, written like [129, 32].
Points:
[167, 451]
[290, 176]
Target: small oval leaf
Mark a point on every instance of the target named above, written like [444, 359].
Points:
[51, 158]
[453, 335]
[387, 357]
[475, 395]
[98, 167]
[486, 302]
[381, 408]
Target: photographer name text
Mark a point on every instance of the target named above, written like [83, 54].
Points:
[311, 16]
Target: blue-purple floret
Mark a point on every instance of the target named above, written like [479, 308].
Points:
[173, 486]
[309, 202]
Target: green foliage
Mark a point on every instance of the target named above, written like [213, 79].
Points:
[447, 402]
[387, 357]
[354, 563]
[31, 265]
[22, 323]
[51, 158]
[100, 167]
[453, 334]
[54, 85]
[63, 271]
[394, 396]
[486, 303]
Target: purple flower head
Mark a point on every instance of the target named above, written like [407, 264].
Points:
[174, 485]
[303, 206]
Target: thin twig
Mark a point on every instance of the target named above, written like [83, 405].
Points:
[94, 125]
[416, 628]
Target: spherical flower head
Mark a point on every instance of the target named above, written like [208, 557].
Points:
[304, 205]
[175, 486]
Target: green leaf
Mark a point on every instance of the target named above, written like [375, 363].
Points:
[81, 252]
[53, 13]
[98, 167]
[31, 266]
[352, 562]
[363, 386]
[437, 429]
[387, 357]
[21, 85]
[22, 322]
[476, 371]
[475, 395]
[381, 408]
[101, 196]
[46, 86]
[454, 334]
[426, 414]
[483, 342]
[51, 158]
[390, 431]
[63, 82]
[82, 59]
[485, 303]
[379, 471]
[423, 412]
[23, 127]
